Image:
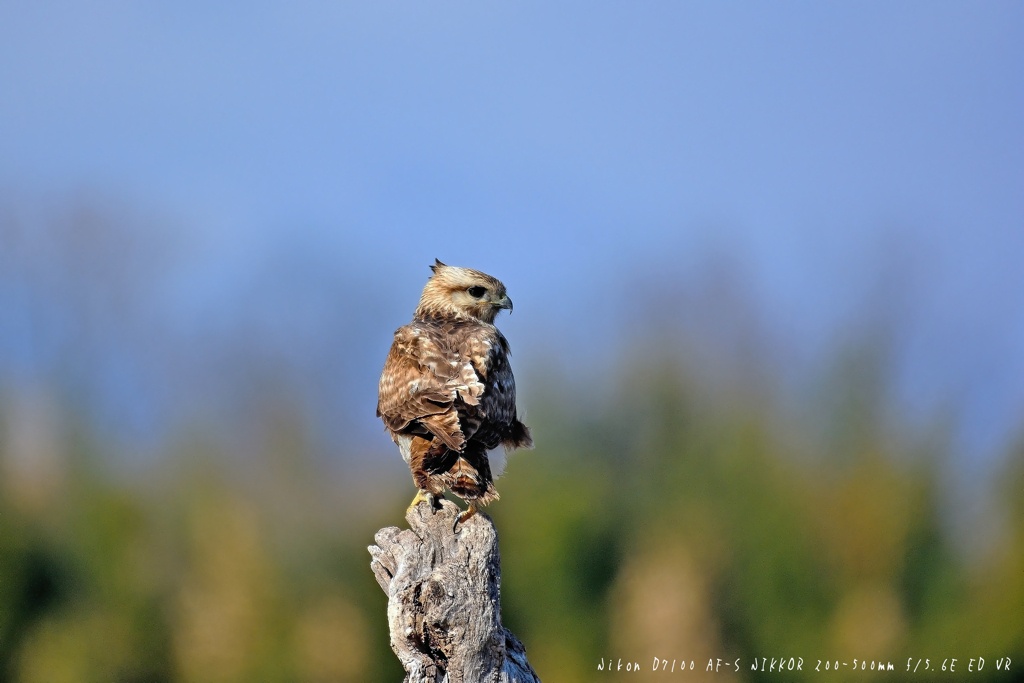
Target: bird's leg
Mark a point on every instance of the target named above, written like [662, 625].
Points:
[473, 509]
[421, 496]
[433, 498]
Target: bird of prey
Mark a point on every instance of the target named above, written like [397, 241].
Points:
[446, 393]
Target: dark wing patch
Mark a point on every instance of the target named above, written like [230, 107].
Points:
[488, 350]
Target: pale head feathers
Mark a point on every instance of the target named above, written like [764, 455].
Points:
[455, 293]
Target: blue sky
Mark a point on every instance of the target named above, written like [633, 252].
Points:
[821, 147]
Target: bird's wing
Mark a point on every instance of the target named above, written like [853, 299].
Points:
[487, 349]
[422, 378]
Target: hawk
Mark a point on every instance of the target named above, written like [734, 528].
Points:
[447, 394]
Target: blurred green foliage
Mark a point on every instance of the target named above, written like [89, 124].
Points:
[659, 517]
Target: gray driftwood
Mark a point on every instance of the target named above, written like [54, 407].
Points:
[444, 599]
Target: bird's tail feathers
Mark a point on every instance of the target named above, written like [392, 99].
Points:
[471, 483]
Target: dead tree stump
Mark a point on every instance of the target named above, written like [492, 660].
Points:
[444, 599]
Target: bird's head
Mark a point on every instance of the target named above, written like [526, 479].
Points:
[462, 293]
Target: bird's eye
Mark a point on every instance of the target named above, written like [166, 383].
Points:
[477, 291]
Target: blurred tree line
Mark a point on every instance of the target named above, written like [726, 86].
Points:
[663, 525]
[663, 514]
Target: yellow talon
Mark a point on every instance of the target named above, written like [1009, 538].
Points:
[473, 509]
[421, 496]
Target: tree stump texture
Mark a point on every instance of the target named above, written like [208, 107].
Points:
[444, 599]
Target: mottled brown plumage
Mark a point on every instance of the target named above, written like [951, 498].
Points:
[447, 394]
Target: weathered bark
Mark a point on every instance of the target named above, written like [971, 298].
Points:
[444, 599]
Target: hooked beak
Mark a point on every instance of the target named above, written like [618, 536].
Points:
[505, 303]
